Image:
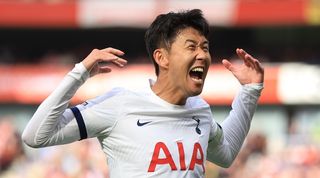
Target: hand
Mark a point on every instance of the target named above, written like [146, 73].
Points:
[94, 61]
[250, 71]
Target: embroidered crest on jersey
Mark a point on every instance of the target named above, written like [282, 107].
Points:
[197, 128]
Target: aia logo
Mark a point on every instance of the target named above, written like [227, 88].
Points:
[197, 157]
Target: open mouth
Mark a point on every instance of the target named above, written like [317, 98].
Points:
[196, 74]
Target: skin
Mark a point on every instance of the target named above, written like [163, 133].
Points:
[174, 84]
[189, 50]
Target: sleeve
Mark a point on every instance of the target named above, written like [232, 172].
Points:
[54, 124]
[99, 115]
[226, 139]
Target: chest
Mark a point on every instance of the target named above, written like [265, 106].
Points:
[161, 141]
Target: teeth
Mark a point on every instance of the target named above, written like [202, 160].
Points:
[197, 69]
[196, 79]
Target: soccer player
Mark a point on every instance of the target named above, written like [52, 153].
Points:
[166, 129]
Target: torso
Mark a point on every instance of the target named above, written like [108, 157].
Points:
[153, 137]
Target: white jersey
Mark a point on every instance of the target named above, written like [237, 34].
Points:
[141, 134]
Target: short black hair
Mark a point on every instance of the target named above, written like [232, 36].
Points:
[165, 28]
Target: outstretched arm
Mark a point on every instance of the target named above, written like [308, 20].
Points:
[53, 123]
[227, 140]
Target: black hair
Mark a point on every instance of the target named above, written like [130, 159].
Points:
[165, 28]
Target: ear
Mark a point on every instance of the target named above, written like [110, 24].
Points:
[161, 57]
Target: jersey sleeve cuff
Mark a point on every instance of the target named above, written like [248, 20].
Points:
[80, 72]
[255, 88]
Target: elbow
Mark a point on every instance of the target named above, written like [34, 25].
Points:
[26, 139]
[225, 163]
[222, 162]
[29, 140]
[224, 159]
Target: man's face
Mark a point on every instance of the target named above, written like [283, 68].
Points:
[189, 60]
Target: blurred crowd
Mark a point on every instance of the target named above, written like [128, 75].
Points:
[85, 159]
[10, 55]
[293, 161]
[77, 160]
[46, 1]
[69, 46]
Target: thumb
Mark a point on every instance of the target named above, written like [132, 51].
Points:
[105, 69]
[227, 64]
[99, 69]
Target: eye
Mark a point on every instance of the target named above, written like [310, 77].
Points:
[192, 47]
[205, 48]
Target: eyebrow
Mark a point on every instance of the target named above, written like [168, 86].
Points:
[193, 41]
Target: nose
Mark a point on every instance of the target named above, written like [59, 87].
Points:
[203, 54]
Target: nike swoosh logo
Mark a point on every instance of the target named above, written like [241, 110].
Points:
[142, 123]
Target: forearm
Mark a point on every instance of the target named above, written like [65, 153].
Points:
[45, 126]
[236, 126]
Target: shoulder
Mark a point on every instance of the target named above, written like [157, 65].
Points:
[118, 94]
[197, 102]
[110, 102]
[111, 96]
[115, 92]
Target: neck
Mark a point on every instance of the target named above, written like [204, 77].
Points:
[166, 91]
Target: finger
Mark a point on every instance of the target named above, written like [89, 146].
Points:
[258, 66]
[241, 54]
[113, 51]
[247, 58]
[227, 64]
[110, 58]
[119, 62]
[105, 56]
[255, 63]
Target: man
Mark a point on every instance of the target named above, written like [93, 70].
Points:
[165, 130]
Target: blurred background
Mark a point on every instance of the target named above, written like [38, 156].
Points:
[41, 40]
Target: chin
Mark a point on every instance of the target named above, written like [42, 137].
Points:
[196, 93]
